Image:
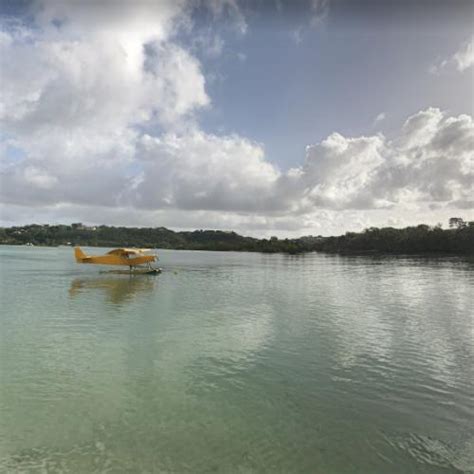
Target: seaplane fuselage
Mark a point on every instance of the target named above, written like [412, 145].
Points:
[125, 257]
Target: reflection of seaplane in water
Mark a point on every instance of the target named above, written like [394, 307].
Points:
[138, 260]
[117, 289]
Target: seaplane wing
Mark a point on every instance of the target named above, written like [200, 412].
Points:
[121, 256]
[128, 252]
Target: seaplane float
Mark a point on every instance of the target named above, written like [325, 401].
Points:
[139, 261]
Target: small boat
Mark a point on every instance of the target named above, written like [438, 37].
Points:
[139, 261]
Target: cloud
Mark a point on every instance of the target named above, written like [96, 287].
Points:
[228, 9]
[380, 117]
[430, 161]
[297, 35]
[462, 60]
[202, 171]
[319, 11]
[211, 45]
[314, 18]
[97, 82]
[74, 96]
[101, 107]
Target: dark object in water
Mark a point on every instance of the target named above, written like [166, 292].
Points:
[137, 271]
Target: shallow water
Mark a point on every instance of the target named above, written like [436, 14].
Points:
[235, 362]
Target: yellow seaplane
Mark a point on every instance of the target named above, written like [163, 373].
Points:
[138, 260]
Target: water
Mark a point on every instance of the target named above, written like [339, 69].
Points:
[236, 363]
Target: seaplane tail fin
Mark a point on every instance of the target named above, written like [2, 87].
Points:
[79, 254]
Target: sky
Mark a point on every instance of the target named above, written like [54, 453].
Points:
[282, 118]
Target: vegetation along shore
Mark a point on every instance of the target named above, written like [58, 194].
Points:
[458, 239]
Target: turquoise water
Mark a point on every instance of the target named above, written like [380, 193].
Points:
[236, 363]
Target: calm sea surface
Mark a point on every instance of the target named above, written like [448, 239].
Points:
[236, 363]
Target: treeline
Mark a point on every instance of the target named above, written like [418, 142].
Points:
[158, 237]
[421, 239]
